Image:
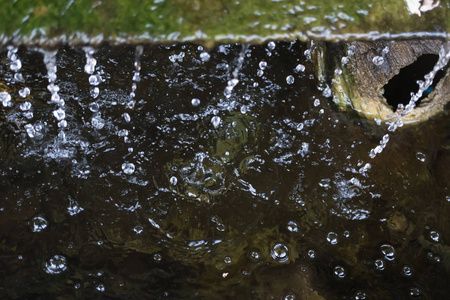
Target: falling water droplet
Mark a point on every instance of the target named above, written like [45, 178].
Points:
[94, 92]
[95, 79]
[5, 98]
[195, 102]
[299, 68]
[215, 120]
[290, 79]
[126, 117]
[25, 106]
[378, 60]
[30, 130]
[280, 253]
[262, 65]
[271, 46]
[59, 114]
[55, 265]
[128, 168]
[204, 56]
[173, 180]
[24, 92]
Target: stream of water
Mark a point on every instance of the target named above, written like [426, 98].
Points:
[179, 172]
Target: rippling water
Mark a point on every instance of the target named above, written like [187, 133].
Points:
[177, 172]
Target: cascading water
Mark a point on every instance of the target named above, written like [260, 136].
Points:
[216, 172]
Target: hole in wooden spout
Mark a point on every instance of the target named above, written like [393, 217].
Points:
[399, 88]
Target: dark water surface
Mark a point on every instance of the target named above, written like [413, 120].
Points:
[258, 191]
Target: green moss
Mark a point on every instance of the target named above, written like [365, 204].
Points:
[214, 20]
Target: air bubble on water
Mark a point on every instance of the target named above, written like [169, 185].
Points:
[407, 271]
[290, 79]
[195, 102]
[316, 102]
[280, 253]
[420, 156]
[227, 260]
[5, 98]
[311, 254]
[332, 238]
[262, 65]
[271, 46]
[215, 120]
[138, 229]
[126, 117]
[128, 168]
[289, 297]
[157, 257]
[415, 292]
[95, 79]
[388, 251]
[254, 255]
[173, 180]
[100, 288]
[292, 226]
[24, 92]
[259, 73]
[339, 271]
[55, 265]
[360, 295]
[434, 235]
[379, 264]
[378, 60]
[38, 224]
[204, 56]
[299, 68]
